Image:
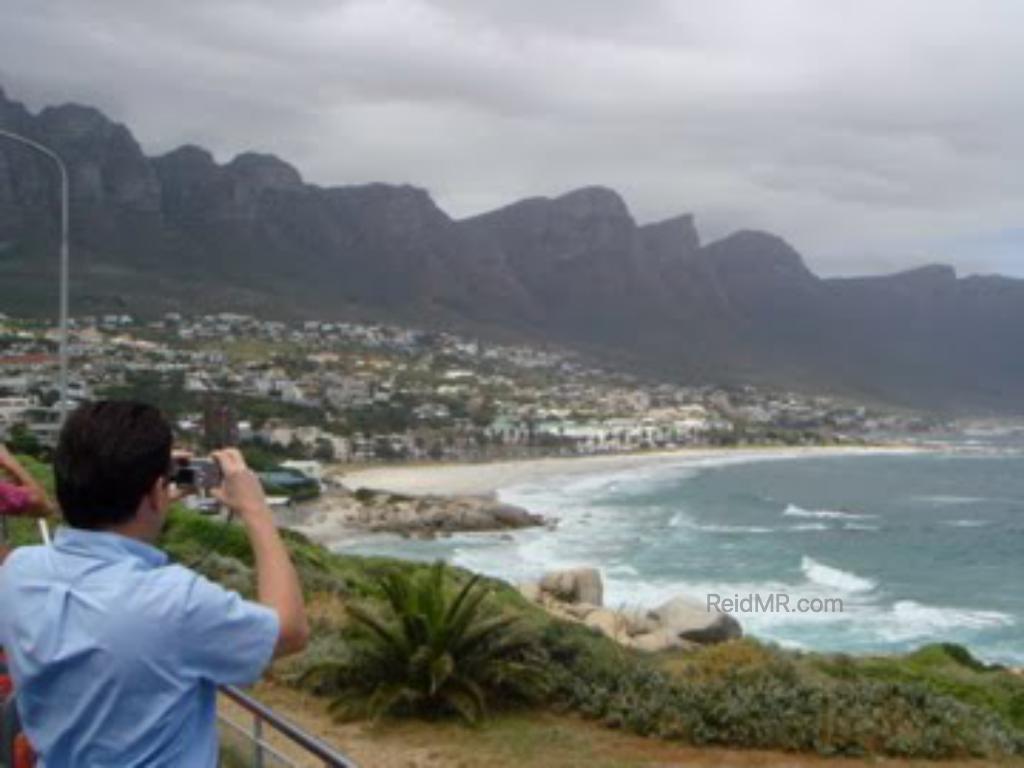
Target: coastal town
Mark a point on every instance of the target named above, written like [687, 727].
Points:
[333, 392]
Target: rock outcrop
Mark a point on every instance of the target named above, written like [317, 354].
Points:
[679, 624]
[339, 513]
[582, 585]
[691, 620]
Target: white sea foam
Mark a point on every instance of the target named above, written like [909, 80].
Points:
[622, 569]
[651, 593]
[953, 500]
[781, 625]
[860, 527]
[834, 578]
[793, 510]
[909, 620]
[624, 481]
[810, 527]
[722, 528]
[643, 475]
[973, 523]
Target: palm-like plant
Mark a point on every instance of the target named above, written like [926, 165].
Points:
[437, 652]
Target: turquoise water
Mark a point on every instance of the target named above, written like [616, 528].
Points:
[918, 548]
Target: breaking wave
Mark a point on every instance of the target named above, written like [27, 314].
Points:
[720, 528]
[972, 523]
[810, 527]
[834, 578]
[911, 620]
[824, 514]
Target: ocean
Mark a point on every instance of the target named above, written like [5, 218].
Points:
[906, 549]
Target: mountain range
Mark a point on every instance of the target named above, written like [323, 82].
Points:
[182, 232]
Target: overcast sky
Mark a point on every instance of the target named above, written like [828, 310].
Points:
[872, 134]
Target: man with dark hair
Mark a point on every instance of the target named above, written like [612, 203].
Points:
[110, 455]
[116, 654]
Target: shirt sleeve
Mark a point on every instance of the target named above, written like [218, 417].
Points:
[14, 500]
[225, 638]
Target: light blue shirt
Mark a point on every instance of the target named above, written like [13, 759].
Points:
[116, 656]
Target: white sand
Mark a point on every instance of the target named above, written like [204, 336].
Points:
[486, 478]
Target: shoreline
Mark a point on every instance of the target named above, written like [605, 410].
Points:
[490, 478]
[449, 488]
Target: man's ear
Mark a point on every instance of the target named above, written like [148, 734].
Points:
[156, 497]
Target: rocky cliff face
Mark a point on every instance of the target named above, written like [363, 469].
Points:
[183, 232]
[115, 193]
[578, 259]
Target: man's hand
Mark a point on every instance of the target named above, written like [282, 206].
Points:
[40, 503]
[7, 460]
[241, 491]
[277, 584]
[174, 492]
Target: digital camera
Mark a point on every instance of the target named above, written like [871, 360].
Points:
[201, 474]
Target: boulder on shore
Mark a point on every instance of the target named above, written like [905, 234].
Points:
[691, 620]
[659, 640]
[579, 611]
[508, 516]
[639, 622]
[608, 622]
[579, 585]
[530, 590]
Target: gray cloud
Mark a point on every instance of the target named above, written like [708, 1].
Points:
[873, 135]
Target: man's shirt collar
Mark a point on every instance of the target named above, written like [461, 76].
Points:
[107, 546]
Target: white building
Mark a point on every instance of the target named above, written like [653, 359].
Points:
[314, 470]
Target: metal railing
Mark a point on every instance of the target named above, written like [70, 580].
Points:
[264, 754]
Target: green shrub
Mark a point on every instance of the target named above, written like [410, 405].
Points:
[776, 704]
[188, 536]
[945, 669]
[22, 441]
[437, 652]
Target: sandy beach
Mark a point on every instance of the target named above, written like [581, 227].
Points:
[489, 478]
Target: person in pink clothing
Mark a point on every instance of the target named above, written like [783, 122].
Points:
[20, 493]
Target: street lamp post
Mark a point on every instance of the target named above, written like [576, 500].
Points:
[64, 259]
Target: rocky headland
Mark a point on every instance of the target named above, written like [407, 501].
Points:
[341, 512]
